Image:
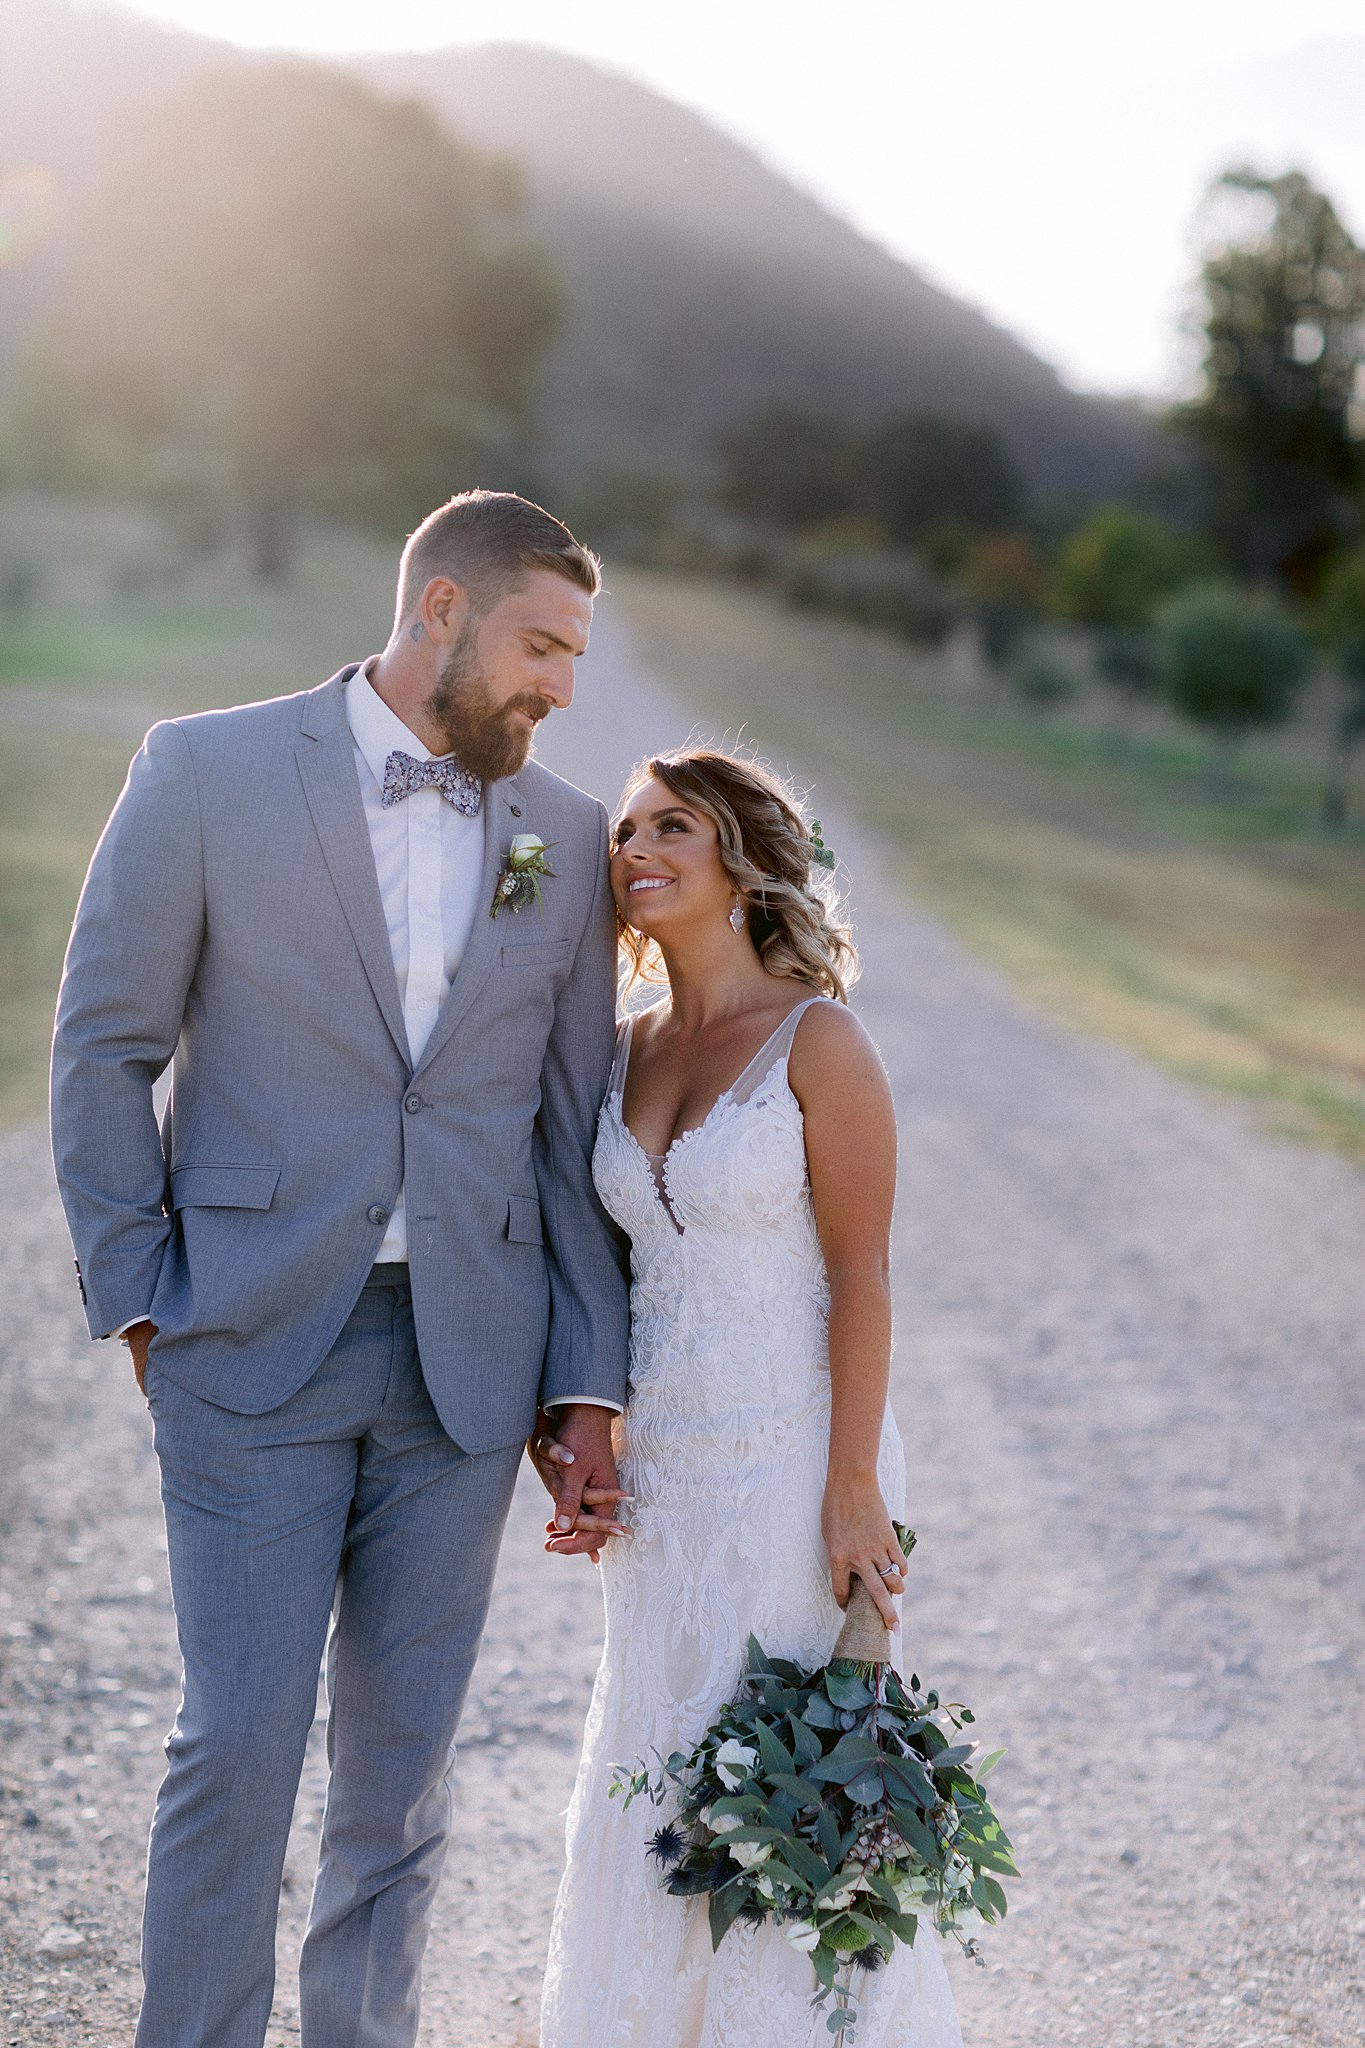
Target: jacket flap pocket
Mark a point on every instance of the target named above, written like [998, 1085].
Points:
[223, 1187]
[523, 1219]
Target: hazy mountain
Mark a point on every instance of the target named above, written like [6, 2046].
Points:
[704, 282]
[700, 282]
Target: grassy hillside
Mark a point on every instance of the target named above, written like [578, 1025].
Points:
[1224, 939]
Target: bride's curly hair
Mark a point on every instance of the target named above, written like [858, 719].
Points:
[768, 852]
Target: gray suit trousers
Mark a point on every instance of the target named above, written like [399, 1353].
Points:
[348, 1501]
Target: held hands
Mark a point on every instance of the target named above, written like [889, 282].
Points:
[572, 1452]
[862, 1541]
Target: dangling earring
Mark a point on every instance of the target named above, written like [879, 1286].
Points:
[737, 917]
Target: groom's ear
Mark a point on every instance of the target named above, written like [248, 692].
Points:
[444, 610]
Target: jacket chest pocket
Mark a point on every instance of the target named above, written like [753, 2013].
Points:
[540, 956]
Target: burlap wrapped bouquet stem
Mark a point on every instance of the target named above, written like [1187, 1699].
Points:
[864, 1637]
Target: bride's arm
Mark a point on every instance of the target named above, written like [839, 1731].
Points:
[850, 1122]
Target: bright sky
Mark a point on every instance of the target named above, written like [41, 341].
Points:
[1042, 161]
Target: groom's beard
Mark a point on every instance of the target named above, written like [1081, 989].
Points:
[485, 735]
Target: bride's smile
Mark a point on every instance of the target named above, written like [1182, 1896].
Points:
[665, 866]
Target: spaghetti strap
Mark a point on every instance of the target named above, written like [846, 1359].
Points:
[775, 1051]
[617, 1084]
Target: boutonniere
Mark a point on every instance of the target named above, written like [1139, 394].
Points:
[522, 873]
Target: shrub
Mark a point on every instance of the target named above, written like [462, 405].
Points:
[1043, 680]
[892, 592]
[1231, 659]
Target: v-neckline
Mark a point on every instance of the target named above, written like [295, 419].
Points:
[726, 1094]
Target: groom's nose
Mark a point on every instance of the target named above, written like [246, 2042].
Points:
[555, 682]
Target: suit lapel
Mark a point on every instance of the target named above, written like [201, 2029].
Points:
[501, 810]
[326, 758]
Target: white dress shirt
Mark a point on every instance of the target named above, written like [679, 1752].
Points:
[429, 860]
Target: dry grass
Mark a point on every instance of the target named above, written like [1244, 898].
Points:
[1225, 940]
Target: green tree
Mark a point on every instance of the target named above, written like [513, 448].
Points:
[1283, 286]
[1005, 579]
[1341, 621]
[1231, 659]
[916, 472]
[787, 465]
[1114, 571]
[291, 293]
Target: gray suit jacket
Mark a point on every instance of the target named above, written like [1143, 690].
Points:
[231, 921]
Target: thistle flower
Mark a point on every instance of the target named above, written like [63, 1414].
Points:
[667, 1844]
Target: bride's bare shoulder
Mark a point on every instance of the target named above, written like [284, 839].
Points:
[833, 1047]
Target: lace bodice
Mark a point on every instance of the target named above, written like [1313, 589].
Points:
[723, 1237]
[725, 1452]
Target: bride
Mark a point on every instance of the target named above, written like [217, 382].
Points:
[747, 1149]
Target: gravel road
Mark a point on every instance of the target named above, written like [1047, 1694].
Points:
[1129, 1377]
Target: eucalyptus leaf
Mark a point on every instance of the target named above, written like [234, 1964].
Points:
[803, 1858]
[866, 1789]
[846, 1689]
[804, 1743]
[985, 1856]
[724, 1909]
[917, 1835]
[827, 1827]
[773, 1753]
[954, 1758]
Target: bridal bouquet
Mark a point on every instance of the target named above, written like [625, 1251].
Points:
[840, 1804]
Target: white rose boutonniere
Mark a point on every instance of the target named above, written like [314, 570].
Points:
[521, 874]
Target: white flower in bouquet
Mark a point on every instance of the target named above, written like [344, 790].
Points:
[748, 1855]
[802, 1935]
[734, 1760]
[721, 1823]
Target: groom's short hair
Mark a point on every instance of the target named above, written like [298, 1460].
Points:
[488, 542]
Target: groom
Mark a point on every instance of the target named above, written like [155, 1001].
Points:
[361, 1249]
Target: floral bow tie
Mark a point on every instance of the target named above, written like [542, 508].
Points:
[402, 775]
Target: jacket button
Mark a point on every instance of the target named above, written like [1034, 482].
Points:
[412, 1103]
[377, 1215]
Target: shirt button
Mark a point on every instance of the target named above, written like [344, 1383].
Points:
[377, 1215]
[412, 1103]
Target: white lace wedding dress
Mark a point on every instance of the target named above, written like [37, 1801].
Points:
[727, 1434]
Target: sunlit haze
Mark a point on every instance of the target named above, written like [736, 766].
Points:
[1044, 163]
